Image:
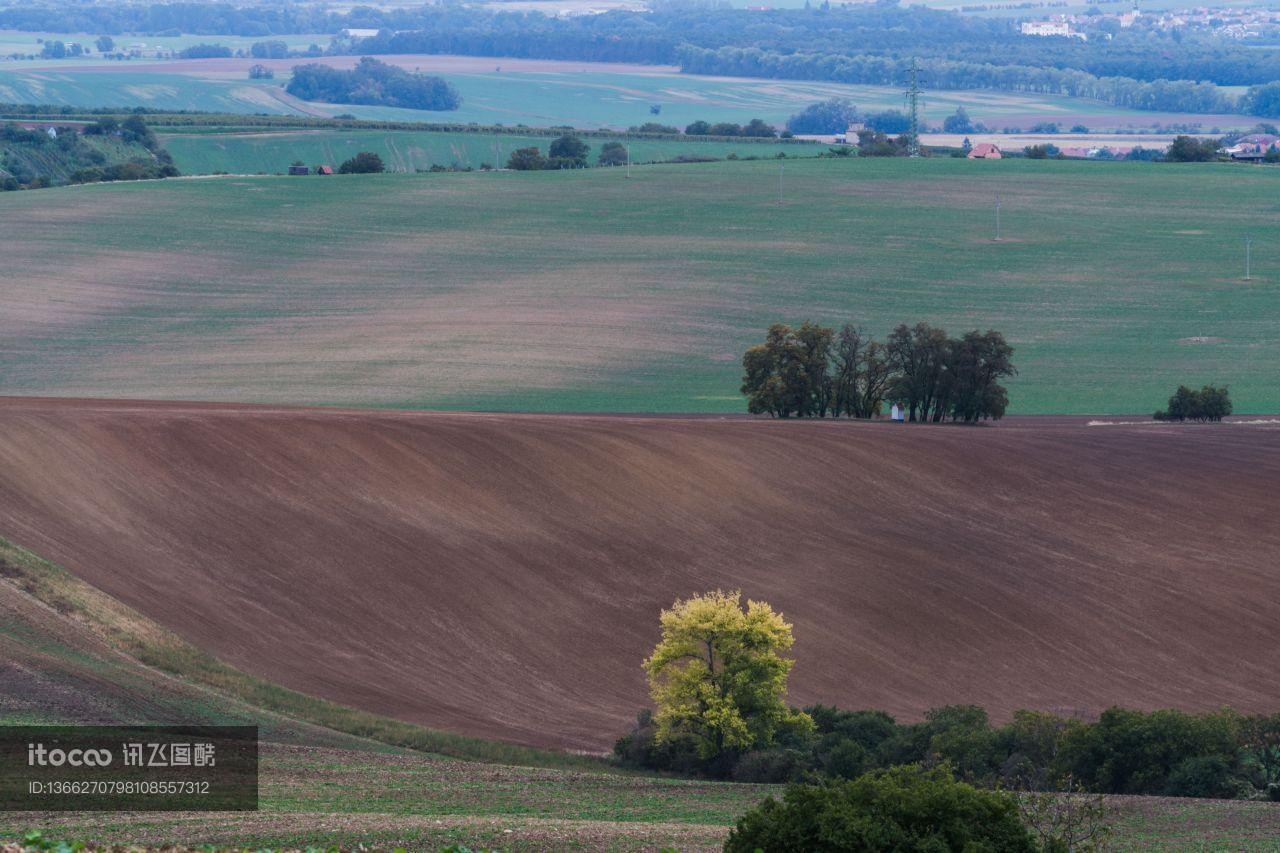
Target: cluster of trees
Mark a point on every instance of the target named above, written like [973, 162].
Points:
[206, 51]
[372, 82]
[269, 50]
[718, 681]
[1188, 149]
[873, 69]
[830, 116]
[363, 163]
[565, 152]
[813, 371]
[55, 49]
[757, 128]
[1209, 404]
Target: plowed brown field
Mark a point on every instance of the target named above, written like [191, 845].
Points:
[501, 575]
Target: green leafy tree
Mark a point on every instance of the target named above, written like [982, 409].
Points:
[1188, 149]
[613, 154]
[526, 160]
[758, 128]
[105, 44]
[698, 128]
[903, 808]
[787, 375]
[718, 676]
[366, 162]
[655, 127]
[1210, 403]
[567, 152]
[832, 116]
[958, 122]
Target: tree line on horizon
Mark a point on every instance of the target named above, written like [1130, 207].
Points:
[861, 43]
[814, 372]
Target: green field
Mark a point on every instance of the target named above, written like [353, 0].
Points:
[583, 95]
[20, 41]
[588, 291]
[407, 151]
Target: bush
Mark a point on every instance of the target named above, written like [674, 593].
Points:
[205, 51]
[902, 808]
[526, 160]
[771, 766]
[613, 154]
[655, 127]
[1202, 776]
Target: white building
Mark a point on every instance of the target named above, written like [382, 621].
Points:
[1050, 28]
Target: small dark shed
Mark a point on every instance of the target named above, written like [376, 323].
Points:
[299, 170]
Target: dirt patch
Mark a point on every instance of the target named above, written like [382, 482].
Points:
[502, 575]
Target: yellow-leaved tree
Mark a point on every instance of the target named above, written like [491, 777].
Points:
[719, 675]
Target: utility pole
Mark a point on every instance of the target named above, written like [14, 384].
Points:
[780, 184]
[997, 218]
[1248, 252]
[627, 148]
[913, 110]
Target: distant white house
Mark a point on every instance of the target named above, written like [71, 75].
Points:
[851, 133]
[1050, 28]
[353, 33]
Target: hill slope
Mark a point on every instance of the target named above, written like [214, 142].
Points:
[501, 575]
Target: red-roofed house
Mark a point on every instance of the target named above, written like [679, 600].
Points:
[324, 170]
[985, 151]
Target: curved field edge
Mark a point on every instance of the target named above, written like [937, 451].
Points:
[207, 690]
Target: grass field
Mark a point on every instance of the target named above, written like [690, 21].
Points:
[405, 151]
[589, 291]
[20, 41]
[542, 93]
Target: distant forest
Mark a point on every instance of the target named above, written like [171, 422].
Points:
[1136, 67]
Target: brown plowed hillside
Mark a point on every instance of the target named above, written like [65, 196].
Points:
[501, 575]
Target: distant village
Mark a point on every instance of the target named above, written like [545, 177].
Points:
[1234, 22]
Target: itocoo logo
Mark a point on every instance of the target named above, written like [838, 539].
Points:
[39, 756]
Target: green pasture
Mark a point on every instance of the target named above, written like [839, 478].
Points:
[63, 85]
[589, 291]
[407, 151]
[591, 97]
